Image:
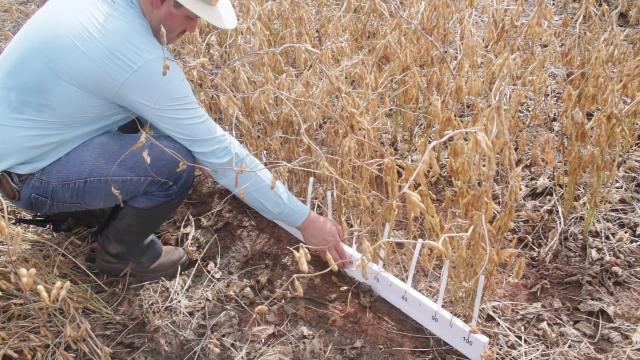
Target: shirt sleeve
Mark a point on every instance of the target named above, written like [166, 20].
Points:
[169, 104]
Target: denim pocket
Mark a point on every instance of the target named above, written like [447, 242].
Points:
[44, 206]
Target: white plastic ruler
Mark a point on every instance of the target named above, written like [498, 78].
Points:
[429, 314]
[420, 308]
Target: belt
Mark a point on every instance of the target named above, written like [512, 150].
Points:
[8, 188]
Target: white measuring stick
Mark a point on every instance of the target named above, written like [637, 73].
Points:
[329, 206]
[353, 244]
[422, 309]
[476, 307]
[443, 282]
[417, 306]
[414, 262]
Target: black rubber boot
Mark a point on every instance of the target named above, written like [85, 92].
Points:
[86, 218]
[127, 244]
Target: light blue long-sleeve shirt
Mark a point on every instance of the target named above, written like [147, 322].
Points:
[79, 68]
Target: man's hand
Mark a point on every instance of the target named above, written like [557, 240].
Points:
[322, 234]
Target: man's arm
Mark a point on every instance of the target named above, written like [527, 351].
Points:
[169, 104]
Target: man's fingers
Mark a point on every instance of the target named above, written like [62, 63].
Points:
[336, 257]
[340, 231]
[341, 255]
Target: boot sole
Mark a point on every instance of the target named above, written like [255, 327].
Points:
[117, 270]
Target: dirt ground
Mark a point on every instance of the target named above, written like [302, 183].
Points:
[579, 298]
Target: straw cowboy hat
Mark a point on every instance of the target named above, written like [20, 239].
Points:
[217, 12]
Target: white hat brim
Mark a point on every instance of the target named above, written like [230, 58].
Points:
[221, 15]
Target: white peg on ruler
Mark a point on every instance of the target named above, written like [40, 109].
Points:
[385, 236]
[476, 307]
[443, 282]
[354, 249]
[414, 262]
[309, 191]
[354, 246]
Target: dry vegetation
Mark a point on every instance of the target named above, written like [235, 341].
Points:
[358, 92]
[505, 133]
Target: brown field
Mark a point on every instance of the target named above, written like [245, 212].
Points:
[505, 133]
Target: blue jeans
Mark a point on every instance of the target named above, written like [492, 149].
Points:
[108, 170]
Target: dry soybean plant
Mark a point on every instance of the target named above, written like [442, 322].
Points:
[355, 93]
[43, 316]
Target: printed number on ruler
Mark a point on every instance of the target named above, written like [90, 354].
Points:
[467, 339]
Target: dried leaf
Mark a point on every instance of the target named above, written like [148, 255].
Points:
[585, 328]
[297, 288]
[3, 228]
[506, 255]
[438, 248]
[485, 144]
[414, 203]
[613, 336]
[519, 269]
[165, 67]
[146, 157]
[117, 193]
[263, 332]
[163, 35]
[141, 141]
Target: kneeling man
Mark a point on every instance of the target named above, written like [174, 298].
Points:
[79, 70]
